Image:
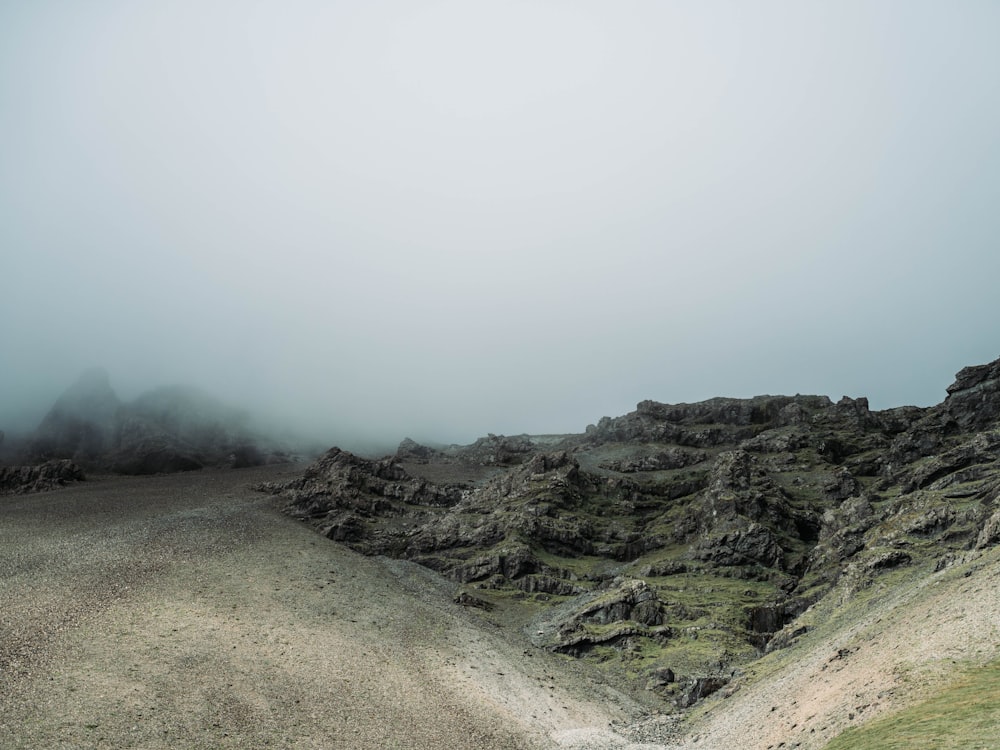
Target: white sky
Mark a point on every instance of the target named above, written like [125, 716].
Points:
[441, 219]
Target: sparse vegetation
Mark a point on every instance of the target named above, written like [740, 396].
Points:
[962, 715]
[676, 545]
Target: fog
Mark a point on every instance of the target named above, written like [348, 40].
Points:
[375, 220]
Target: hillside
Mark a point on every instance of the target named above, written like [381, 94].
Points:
[676, 545]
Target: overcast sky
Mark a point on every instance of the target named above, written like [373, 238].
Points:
[442, 219]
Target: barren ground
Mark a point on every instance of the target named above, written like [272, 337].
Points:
[185, 611]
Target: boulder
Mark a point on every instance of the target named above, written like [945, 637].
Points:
[753, 545]
[973, 400]
[841, 485]
[410, 450]
[989, 535]
[698, 688]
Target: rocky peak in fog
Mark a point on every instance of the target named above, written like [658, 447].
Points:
[171, 428]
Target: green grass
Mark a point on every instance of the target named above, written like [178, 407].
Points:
[965, 714]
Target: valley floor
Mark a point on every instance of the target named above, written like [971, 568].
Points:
[185, 611]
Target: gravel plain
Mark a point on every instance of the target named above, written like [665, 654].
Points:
[185, 611]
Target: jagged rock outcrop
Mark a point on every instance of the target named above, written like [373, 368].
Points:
[700, 687]
[21, 480]
[497, 450]
[705, 424]
[610, 617]
[141, 447]
[664, 460]
[681, 540]
[753, 545]
[990, 533]
[345, 496]
[973, 401]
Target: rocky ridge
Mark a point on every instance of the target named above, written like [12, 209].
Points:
[676, 544]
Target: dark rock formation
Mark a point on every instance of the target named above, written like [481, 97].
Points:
[497, 450]
[700, 687]
[696, 531]
[973, 401]
[753, 545]
[468, 600]
[21, 480]
[990, 534]
[169, 429]
[611, 618]
[142, 447]
[672, 458]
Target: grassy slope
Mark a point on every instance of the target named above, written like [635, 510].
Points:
[964, 714]
[914, 645]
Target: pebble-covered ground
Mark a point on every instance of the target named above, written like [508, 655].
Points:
[185, 611]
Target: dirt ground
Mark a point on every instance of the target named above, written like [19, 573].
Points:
[185, 611]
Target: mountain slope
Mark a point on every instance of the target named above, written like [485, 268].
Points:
[868, 654]
[674, 546]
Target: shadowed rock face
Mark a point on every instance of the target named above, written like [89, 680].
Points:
[21, 480]
[683, 538]
[974, 398]
[169, 429]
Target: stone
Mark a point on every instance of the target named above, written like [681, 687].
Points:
[410, 450]
[973, 400]
[662, 676]
[990, 533]
[841, 485]
[754, 545]
[698, 688]
[468, 600]
[21, 480]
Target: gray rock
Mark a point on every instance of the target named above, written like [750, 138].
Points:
[754, 545]
[841, 485]
[698, 688]
[990, 533]
[973, 400]
[21, 480]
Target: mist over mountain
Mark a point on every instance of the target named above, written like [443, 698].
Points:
[499, 294]
[377, 222]
[165, 429]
